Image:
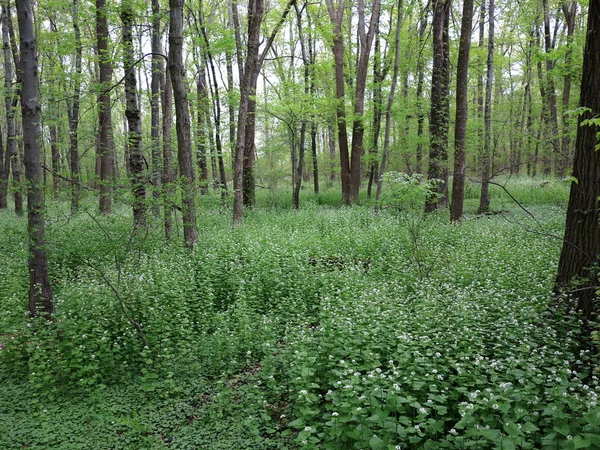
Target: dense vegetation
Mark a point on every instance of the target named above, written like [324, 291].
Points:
[328, 327]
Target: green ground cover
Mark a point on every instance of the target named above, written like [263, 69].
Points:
[328, 327]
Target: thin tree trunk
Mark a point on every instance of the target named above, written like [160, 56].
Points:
[201, 108]
[11, 100]
[377, 113]
[157, 69]
[550, 99]
[569, 10]
[460, 127]
[40, 292]
[255, 14]
[366, 41]
[484, 199]
[168, 177]
[4, 164]
[104, 109]
[331, 143]
[336, 17]
[420, 82]
[134, 120]
[73, 112]
[182, 113]
[390, 102]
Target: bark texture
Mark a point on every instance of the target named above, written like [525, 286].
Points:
[460, 127]
[183, 125]
[40, 292]
[104, 113]
[581, 245]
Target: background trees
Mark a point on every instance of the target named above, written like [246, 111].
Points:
[340, 53]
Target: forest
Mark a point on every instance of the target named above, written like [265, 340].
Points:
[286, 224]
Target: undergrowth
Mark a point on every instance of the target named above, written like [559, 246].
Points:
[328, 327]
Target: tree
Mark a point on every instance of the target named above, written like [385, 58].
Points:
[40, 292]
[182, 114]
[157, 69]
[486, 157]
[243, 177]
[351, 162]
[11, 99]
[134, 119]
[439, 122]
[104, 108]
[388, 109]
[460, 126]
[578, 262]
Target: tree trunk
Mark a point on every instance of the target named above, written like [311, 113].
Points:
[11, 98]
[390, 102]
[566, 153]
[581, 244]
[201, 108]
[358, 130]
[3, 175]
[104, 109]
[377, 113]
[439, 122]
[420, 82]
[73, 112]
[255, 14]
[336, 17]
[168, 177]
[486, 164]
[182, 114]
[157, 69]
[460, 126]
[40, 292]
[134, 120]
[552, 116]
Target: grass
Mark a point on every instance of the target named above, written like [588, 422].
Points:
[328, 327]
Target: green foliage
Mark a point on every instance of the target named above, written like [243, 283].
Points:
[407, 192]
[321, 328]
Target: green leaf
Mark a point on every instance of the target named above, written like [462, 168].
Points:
[580, 442]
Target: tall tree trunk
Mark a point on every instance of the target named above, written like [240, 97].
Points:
[358, 129]
[420, 82]
[460, 127]
[581, 244]
[439, 122]
[3, 175]
[377, 113]
[331, 143]
[104, 109]
[134, 120]
[486, 164]
[336, 17]
[182, 114]
[73, 112]
[168, 177]
[216, 106]
[40, 292]
[569, 10]
[11, 100]
[552, 116]
[244, 152]
[255, 14]
[390, 102]
[55, 156]
[157, 69]
[201, 109]
[301, 148]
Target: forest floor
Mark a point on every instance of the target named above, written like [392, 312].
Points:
[324, 328]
